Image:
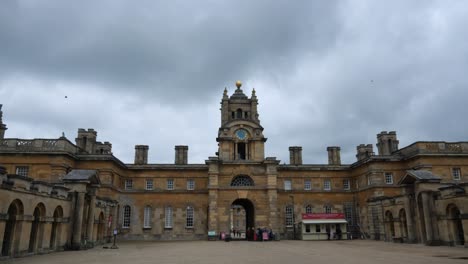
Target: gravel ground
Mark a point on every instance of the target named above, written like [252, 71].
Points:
[206, 252]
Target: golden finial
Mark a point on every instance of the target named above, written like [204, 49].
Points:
[238, 84]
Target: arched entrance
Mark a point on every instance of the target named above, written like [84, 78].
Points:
[455, 225]
[390, 226]
[56, 228]
[12, 229]
[242, 216]
[403, 224]
[35, 238]
[101, 227]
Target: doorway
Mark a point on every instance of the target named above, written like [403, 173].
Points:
[242, 215]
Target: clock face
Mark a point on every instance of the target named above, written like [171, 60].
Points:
[241, 134]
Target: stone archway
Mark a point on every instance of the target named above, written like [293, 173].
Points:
[37, 228]
[456, 232]
[55, 233]
[12, 234]
[242, 215]
[390, 227]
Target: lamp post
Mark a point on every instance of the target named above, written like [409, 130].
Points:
[293, 217]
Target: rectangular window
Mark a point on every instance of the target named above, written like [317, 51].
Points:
[168, 217]
[317, 228]
[127, 213]
[149, 185]
[147, 217]
[189, 219]
[287, 185]
[327, 209]
[346, 185]
[307, 228]
[289, 216]
[327, 185]
[128, 184]
[307, 185]
[456, 174]
[190, 184]
[170, 184]
[22, 171]
[388, 178]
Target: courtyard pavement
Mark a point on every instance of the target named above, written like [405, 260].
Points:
[290, 252]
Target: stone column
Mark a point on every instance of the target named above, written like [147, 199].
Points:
[90, 224]
[76, 240]
[409, 220]
[465, 229]
[426, 201]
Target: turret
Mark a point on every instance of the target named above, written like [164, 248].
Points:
[387, 143]
[86, 140]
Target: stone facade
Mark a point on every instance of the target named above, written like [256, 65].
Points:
[59, 195]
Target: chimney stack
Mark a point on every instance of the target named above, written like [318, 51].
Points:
[364, 151]
[295, 155]
[334, 156]
[387, 143]
[141, 154]
[181, 153]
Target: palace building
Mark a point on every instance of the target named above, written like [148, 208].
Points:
[56, 194]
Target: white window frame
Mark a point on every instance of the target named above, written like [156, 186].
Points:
[127, 215]
[289, 219]
[168, 217]
[147, 217]
[190, 184]
[287, 185]
[307, 185]
[128, 184]
[189, 217]
[456, 174]
[308, 209]
[22, 171]
[346, 184]
[327, 185]
[170, 184]
[327, 209]
[149, 186]
[388, 178]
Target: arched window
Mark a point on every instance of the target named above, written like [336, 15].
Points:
[127, 213]
[308, 209]
[289, 215]
[189, 217]
[168, 217]
[239, 113]
[242, 180]
[147, 217]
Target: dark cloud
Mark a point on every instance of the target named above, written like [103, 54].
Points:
[326, 72]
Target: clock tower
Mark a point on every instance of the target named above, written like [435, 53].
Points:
[240, 137]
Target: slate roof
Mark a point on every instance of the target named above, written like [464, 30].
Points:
[82, 175]
[238, 94]
[419, 175]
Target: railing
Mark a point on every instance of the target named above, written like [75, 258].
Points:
[37, 145]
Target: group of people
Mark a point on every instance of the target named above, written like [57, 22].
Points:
[259, 234]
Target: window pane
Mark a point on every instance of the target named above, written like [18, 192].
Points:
[456, 173]
[22, 170]
[128, 184]
[289, 215]
[388, 178]
[189, 220]
[190, 184]
[287, 185]
[147, 217]
[327, 185]
[170, 184]
[307, 185]
[168, 216]
[308, 209]
[149, 185]
[126, 216]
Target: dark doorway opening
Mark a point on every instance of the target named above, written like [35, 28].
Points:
[242, 218]
[9, 230]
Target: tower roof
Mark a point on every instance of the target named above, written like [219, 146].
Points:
[238, 94]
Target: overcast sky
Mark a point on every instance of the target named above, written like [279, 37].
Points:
[147, 72]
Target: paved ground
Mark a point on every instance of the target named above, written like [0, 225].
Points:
[207, 252]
